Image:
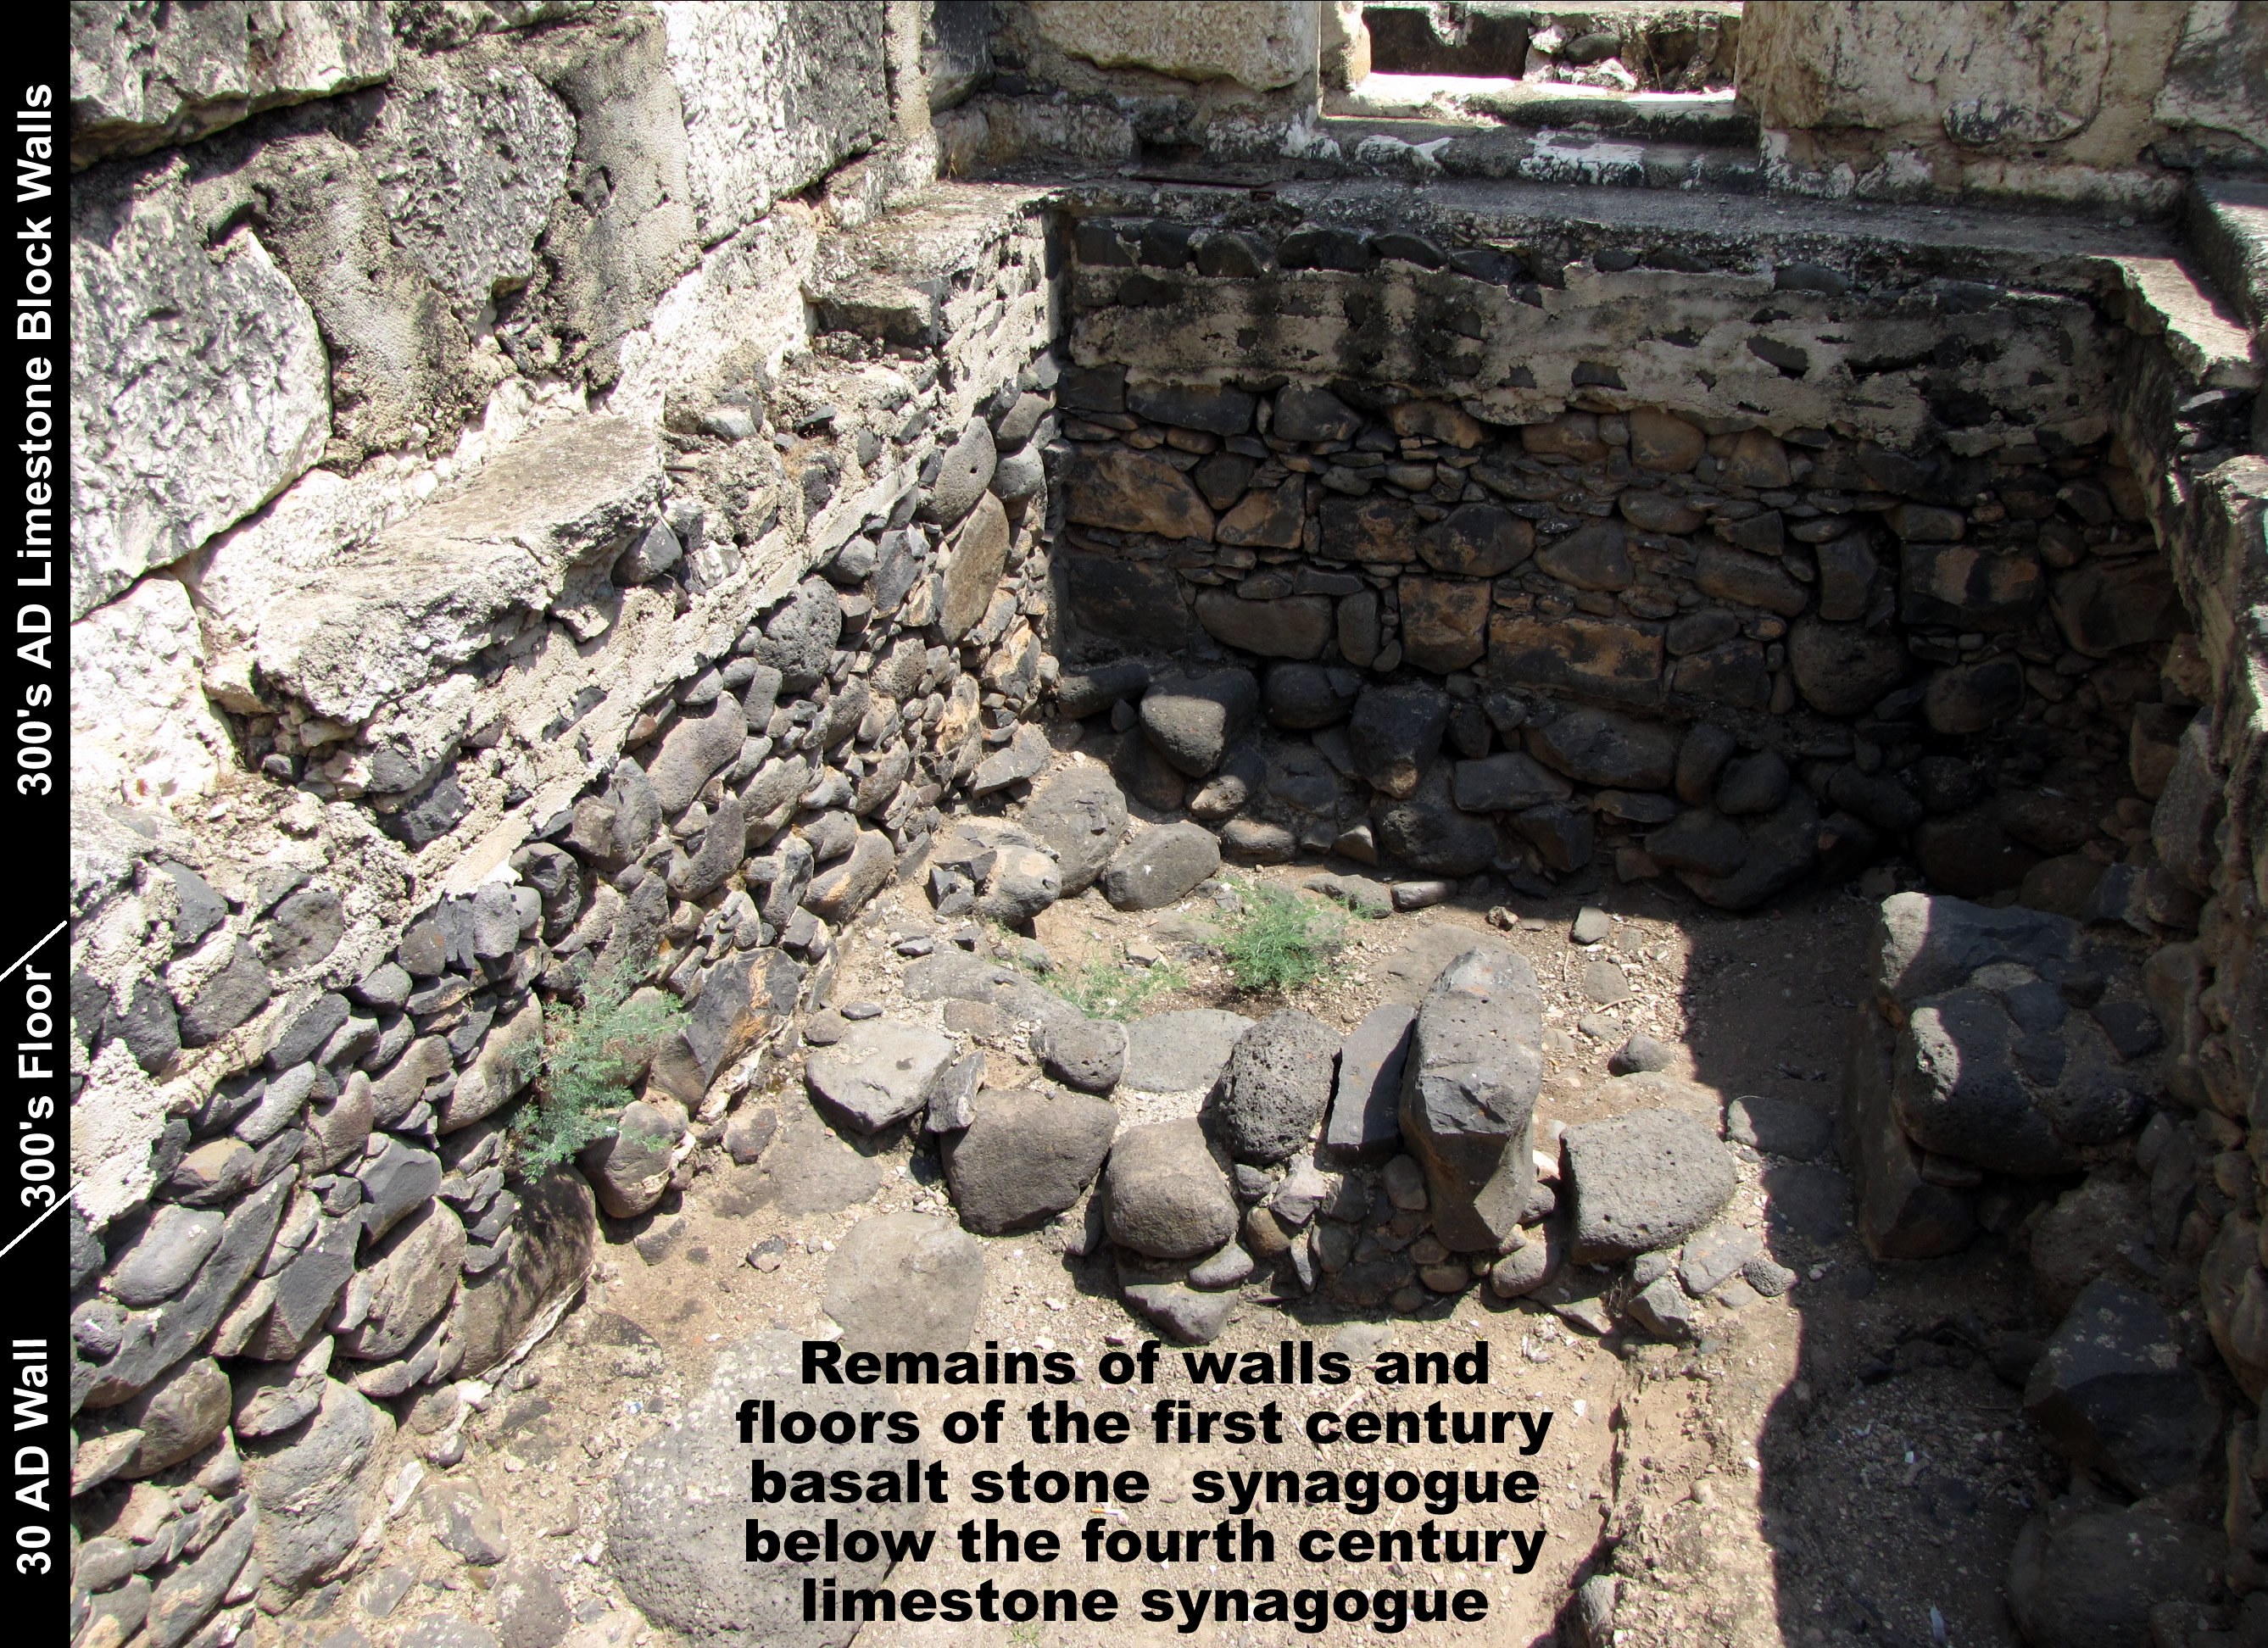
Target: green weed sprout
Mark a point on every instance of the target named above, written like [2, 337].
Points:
[585, 1064]
[1279, 941]
[1120, 991]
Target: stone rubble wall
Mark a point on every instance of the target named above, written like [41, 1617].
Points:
[2209, 831]
[1899, 558]
[563, 494]
[2127, 1054]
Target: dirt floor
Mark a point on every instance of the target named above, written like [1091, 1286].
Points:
[1835, 1466]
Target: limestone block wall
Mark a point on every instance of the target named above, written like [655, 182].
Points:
[2107, 104]
[1202, 83]
[2110, 104]
[1867, 528]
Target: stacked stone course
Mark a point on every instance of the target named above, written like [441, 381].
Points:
[1900, 632]
[663, 673]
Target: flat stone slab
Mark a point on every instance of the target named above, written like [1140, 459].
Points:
[1179, 1052]
[675, 1541]
[905, 1281]
[1410, 972]
[1812, 1201]
[1644, 1180]
[1712, 1258]
[880, 1072]
[955, 976]
[1778, 1127]
[806, 1169]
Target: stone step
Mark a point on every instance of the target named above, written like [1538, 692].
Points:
[2227, 226]
[2209, 342]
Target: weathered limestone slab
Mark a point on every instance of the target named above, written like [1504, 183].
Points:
[142, 728]
[1262, 46]
[204, 388]
[467, 170]
[774, 98]
[428, 595]
[143, 77]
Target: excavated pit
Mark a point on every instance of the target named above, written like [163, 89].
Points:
[1773, 633]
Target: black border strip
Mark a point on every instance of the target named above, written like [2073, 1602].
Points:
[33, 1000]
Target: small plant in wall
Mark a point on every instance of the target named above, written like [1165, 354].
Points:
[584, 1067]
[1278, 941]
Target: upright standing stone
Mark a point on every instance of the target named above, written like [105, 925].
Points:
[1468, 1095]
[1365, 1121]
[1276, 1086]
[316, 1485]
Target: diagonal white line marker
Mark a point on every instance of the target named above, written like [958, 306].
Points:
[73, 1191]
[26, 956]
[42, 1219]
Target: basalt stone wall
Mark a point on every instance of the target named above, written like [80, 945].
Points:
[2139, 1205]
[563, 501]
[1707, 570]
[2198, 1168]
[334, 1228]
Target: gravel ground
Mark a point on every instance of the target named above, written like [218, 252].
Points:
[1835, 1466]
